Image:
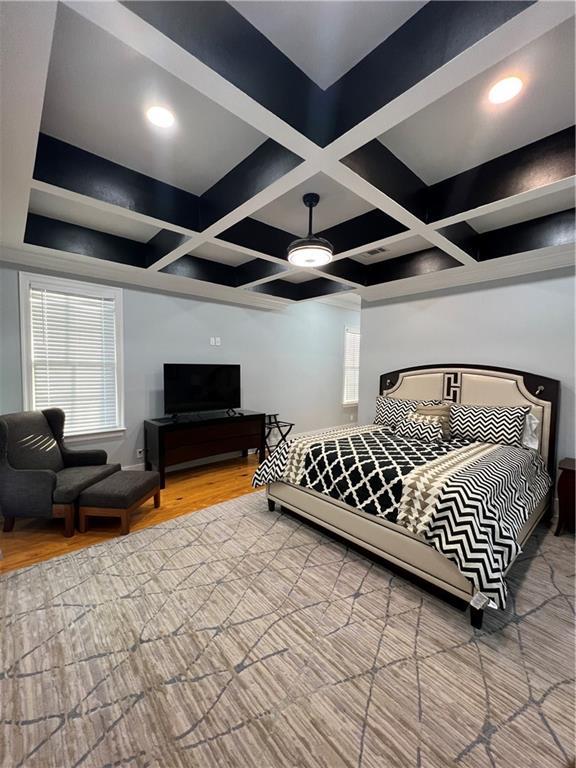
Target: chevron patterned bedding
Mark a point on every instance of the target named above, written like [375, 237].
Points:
[468, 501]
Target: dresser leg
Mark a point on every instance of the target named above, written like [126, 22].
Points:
[8, 523]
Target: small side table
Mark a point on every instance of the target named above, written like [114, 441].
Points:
[566, 497]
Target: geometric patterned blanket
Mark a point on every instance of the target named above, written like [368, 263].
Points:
[471, 505]
[467, 501]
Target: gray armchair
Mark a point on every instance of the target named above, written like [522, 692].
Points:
[39, 475]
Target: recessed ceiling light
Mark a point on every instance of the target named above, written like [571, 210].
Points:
[505, 89]
[160, 116]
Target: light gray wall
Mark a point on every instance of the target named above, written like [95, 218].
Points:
[292, 360]
[527, 325]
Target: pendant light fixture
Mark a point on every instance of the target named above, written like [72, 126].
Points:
[310, 251]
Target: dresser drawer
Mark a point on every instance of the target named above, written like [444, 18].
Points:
[216, 432]
[179, 454]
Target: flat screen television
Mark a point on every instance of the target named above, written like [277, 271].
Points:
[189, 388]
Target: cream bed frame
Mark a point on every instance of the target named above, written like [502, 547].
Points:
[472, 385]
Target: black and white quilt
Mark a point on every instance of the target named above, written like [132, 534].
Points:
[468, 501]
[360, 466]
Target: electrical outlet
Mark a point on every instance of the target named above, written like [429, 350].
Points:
[351, 417]
[212, 341]
[140, 453]
[218, 341]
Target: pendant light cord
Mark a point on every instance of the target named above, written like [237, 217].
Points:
[310, 209]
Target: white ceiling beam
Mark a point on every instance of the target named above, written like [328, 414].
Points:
[114, 210]
[279, 187]
[506, 202]
[378, 199]
[129, 277]
[516, 265]
[26, 31]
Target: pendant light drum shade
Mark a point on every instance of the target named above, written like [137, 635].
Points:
[310, 251]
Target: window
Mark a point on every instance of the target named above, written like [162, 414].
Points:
[351, 366]
[71, 351]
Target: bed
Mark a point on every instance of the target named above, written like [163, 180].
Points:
[399, 545]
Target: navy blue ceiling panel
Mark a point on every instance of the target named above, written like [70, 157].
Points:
[542, 162]
[311, 289]
[553, 230]
[202, 269]
[361, 230]
[261, 237]
[68, 167]
[264, 166]
[51, 233]
[409, 265]
[375, 163]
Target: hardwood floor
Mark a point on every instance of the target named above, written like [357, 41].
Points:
[34, 540]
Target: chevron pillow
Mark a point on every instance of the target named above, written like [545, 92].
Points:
[485, 424]
[425, 429]
[391, 410]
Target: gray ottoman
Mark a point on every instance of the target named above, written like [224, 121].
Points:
[118, 495]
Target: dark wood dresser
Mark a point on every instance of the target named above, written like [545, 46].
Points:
[168, 442]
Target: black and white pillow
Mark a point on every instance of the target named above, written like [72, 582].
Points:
[485, 424]
[417, 426]
[391, 410]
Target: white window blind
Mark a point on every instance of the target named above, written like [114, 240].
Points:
[351, 366]
[72, 350]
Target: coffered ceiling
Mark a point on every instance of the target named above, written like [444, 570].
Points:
[379, 107]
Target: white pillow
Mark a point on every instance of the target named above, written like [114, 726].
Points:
[531, 435]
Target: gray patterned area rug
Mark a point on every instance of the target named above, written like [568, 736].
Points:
[236, 637]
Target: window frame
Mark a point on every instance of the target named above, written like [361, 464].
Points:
[28, 280]
[350, 404]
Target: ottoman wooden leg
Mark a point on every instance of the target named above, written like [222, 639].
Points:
[124, 522]
[81, 521]
[157, 499]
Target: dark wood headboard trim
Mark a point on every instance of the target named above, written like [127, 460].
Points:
[539, 386]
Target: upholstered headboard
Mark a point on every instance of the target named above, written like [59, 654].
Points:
[481, 385]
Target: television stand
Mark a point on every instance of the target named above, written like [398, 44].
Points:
[168, 442]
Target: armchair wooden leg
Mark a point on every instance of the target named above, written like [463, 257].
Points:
[271, 505]
[157, 499]
[68, 512]
[8, 523]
